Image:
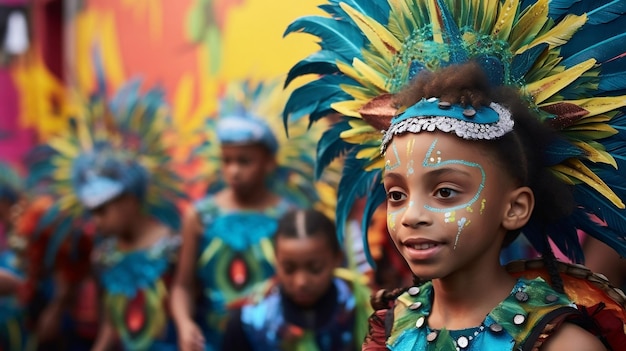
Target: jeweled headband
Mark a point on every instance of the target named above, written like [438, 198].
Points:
[485, 123]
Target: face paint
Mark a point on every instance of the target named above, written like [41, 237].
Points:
[449, 217]
[409, 154]
[463, 222]
[482, 206]
[391, 218]
[429, 161]
[388, 165]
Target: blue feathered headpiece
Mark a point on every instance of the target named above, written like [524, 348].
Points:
[10, 183]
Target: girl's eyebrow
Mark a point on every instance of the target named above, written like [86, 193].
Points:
[441, 171]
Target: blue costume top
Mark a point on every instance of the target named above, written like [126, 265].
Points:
[529, 306]
[135, 285]
[235, 253]
[276, 323]
[12, 333]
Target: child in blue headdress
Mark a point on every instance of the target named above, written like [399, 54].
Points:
[115, 167]
[227, 235]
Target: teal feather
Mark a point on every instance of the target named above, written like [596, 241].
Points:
[612, 82]
[374, 199]
[336, 36]
[522, 63]
[602, 51]
[607, 13]
[378, 10]
[561, 150]
[320, 62]
[317, 97]
[62, 230]
[331, 146]
[355, 183]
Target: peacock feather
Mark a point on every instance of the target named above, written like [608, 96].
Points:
[566, 59]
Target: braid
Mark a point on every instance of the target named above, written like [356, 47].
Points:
[550, 261]
[383, 298]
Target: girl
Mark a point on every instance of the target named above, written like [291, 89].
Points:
[470, 96]
[306, 306]
[227, 235]
[116, 167]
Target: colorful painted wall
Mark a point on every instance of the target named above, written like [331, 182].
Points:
[189, 47]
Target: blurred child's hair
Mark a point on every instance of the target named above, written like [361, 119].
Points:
[307, 224]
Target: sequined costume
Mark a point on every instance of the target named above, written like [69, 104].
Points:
[237, 246]
[274, 322]
[135, 285]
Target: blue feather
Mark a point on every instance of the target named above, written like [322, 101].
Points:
[601, 207]
[607, 13]
[354, 183]
[316, 96]
[612, 82]
[522, 63]
[321, 62]
[331, 146]
[378, 10]
[376, 197]
[602, 51]
[337, 36]
[453, 35]
[559, 151]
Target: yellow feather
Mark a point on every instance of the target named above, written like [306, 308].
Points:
[505, 19]
[349, 108]
[594, 119]
[529, 24]
[377, 163]
[379, 36]
[65, 147]
[358, 93]
[348, 70]
[369, 75]
[560, 34]
[544, 88]
[603, 128]
[577, 170]
[433, 12]
[361, 135]
[368, 153]
[595, 155]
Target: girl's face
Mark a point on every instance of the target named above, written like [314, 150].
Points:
[305, 267]
[446, 201]
[245, 166]
[116, 216]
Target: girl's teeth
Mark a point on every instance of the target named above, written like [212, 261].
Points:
[423, 246]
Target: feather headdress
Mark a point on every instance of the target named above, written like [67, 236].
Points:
[115, 147]
[262, 104]
[565, 57]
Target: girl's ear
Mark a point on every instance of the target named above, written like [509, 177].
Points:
[519, 208]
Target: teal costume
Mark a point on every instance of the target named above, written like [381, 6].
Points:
[235, 253]
[135, 292]
[506, 327]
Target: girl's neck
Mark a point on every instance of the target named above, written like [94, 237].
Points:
[141, 234]
[462, 300]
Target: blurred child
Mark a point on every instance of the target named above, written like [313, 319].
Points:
[256, 176]
[115, 166]
[306, 307]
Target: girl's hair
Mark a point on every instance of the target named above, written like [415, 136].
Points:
[308, 223]
[521, 152]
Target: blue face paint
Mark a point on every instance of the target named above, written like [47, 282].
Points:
[388, 165]
[433, 162]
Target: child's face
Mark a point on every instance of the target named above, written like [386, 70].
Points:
[445, 205]
[304, 267]
[116, 216]
[245, 167]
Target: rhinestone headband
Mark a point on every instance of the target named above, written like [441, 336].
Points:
[429, 115]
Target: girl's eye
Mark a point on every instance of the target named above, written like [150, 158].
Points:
[395, 196]
[445, 193]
